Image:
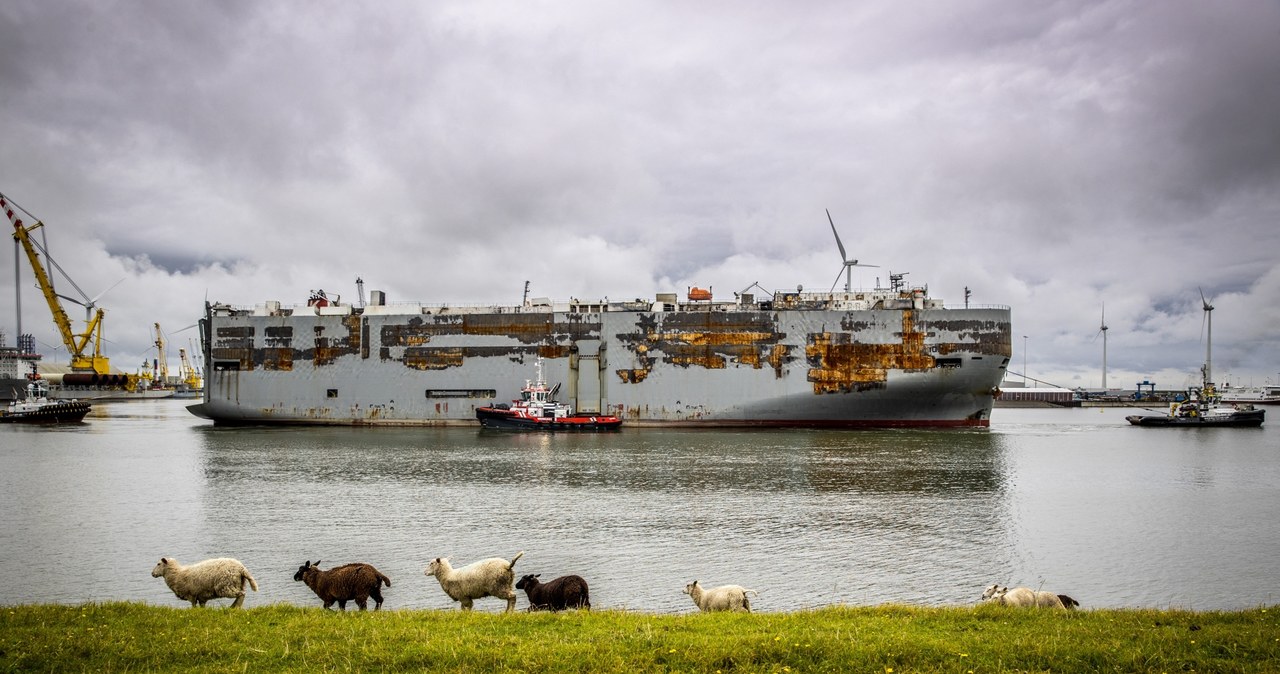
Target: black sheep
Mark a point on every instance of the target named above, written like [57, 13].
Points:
[344, 583]
[561, 593]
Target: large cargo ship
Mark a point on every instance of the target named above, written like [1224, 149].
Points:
[889, 357]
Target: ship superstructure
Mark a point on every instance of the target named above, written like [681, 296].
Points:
[889, 357]
[17, 363]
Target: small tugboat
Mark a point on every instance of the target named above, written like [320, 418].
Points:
[1203, 407]
[537, 410]
[37, 408]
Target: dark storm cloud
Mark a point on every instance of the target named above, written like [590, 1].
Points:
[1052, 156]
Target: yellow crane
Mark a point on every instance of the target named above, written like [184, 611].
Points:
[188, 373]
[162, 362]
[76, 343]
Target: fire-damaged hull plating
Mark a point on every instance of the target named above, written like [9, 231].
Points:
[883, 358]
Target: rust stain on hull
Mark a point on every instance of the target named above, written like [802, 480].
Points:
[538, 331]
[525, 328]
[444, 357]
[838, 364]
[328, 349]
[710, 340]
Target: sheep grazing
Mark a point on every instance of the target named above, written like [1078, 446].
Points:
[486, 578]
[1026, 597]
[723, 598]
[221, 578]
[559, 594]
[344, 583]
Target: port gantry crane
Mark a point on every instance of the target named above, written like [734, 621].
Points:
[75, 343]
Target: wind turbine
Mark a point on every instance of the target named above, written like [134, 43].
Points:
[848, 265]
[88, 303]
[1103, 331]
[1208, 344]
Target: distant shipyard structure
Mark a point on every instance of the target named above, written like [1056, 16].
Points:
[16, 364]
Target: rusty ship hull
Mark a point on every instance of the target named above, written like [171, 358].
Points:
[846, 360]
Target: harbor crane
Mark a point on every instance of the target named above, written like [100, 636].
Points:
[77, 343]
[162, 361]
[190, 377]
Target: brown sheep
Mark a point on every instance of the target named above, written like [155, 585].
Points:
[561, 593]
[341, 584]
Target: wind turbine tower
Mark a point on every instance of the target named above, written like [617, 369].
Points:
[1103, 330]
[1208, 342]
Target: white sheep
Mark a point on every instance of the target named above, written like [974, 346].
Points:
[723, 598]
[1025, 597]
[221, 578]
[493, 577]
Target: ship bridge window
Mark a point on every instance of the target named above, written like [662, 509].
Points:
[949, 362]
[331, 393]
[225, 365]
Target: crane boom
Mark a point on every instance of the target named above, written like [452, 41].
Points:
[75, 343]
[162, 362]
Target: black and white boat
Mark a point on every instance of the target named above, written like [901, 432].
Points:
[1202, 408]
[37, 408]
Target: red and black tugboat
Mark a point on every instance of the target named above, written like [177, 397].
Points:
[536, 410]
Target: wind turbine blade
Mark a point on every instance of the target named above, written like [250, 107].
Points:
[838, 275]
[94, 301]
[71, 299]
[843, 257]
[855, 264]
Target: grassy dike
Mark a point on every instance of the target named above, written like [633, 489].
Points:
[128, 636]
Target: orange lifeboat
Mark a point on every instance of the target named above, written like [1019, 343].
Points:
[697, 294]
[318, 299]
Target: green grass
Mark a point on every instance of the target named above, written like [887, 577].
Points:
[136, 637]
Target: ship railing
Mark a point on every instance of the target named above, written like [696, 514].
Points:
[790, 301]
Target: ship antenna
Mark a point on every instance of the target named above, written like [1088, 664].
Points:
[524, 301]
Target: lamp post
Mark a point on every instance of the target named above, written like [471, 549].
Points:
[1024, 361]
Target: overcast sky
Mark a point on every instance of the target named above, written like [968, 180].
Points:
[1050, 156]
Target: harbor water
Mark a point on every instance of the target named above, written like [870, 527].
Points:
[1075, 501]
